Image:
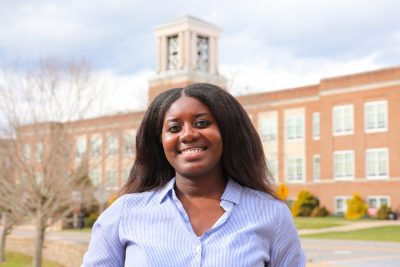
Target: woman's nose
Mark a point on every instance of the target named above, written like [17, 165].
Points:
[188, 133]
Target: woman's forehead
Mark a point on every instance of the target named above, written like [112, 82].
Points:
[187, 105]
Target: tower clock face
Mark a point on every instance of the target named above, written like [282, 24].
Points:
[173, 49]
[202, 53]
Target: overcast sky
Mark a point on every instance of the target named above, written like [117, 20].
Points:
[265, 45]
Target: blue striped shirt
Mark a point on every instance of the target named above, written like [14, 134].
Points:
[153, 229]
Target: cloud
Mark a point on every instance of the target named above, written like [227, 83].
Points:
[266, 44]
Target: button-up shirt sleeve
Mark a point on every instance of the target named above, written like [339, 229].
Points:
[286, 247]
[106, 248]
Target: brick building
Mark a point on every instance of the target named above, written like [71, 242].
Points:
[334, 138]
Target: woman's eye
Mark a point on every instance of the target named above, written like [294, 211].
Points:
[174, 129]
[202, 124]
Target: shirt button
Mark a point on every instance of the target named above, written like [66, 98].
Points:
[198, 248]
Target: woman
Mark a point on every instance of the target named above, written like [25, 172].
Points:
[199, 192]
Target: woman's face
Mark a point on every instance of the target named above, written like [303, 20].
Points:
[191, 138]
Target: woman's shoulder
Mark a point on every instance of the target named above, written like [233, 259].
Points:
[257, 197]
[130, 201]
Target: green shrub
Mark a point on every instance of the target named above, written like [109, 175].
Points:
[304, 204]
[356, 208]
[319, 212]
[90, 220]
[383, 212]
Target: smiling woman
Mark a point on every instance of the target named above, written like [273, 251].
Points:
[199, 192]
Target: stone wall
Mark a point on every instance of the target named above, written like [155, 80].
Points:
[66, 253]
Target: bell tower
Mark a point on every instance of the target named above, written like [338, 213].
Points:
[187, 52]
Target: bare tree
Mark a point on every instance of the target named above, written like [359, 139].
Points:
[37, 112]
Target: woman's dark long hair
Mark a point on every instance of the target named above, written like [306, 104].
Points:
[242, 157]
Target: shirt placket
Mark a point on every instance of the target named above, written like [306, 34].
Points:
[198, 244]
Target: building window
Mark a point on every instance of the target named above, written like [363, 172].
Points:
[273, 168]
[343, 120]
[112, 144]
[129, 143]
[294, 127]
[343, 164]
[315, 125]
[95, 177]
[95, 146]
[268, 129]
[377, 163]
[39, 176]
[294, 170]
[80, 146]
[341, 204]
[112, 178]
[127, 172]
[375, 202]
[376, 116]
[26, 152]
[202, 53]
[38, 152]
[316, 168]
[173, 52]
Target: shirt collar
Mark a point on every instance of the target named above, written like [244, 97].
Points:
[164, 191]
[232, 191]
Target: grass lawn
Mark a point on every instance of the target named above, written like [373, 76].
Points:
[19, 260]
[318, 222]
[384, 233]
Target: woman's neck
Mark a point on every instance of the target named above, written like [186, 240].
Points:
[201, 187]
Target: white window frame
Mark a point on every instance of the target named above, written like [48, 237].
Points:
[127, 172]
[38, 152]
[112, 174]
[344, 177]
[268, 128]
[335, 208]
[367, 163]
[95, 176]
[96, 146]
[378, 199]
[112, 144]
[80, 146]
[296, 122]
[296, 178]
[129, 142]
[26, 152]
[315, 177]
[272, 164]
[316, 125]
[338, 130]
[376, 127]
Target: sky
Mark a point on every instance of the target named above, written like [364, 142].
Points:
[265, 45]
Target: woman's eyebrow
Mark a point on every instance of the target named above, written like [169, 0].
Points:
[195, 116]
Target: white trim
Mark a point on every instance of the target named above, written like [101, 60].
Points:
[313, 173]
[376, 130]
[345, 198]
[296, 179]
[383, 177]
[378, 198]
[338, 107]
[314, 114]
[343, 152]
